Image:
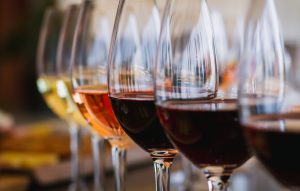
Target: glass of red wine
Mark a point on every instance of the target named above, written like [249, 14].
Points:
[269, 90]
[131, 65]
[199, 117]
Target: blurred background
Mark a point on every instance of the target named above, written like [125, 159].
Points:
[20, 22]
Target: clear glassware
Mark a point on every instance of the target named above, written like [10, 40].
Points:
[187, 177]
[269, 88]
[228, 32]
[131, 90]
[89, 78]
[55, 87]
[199, 117]
[63, 62]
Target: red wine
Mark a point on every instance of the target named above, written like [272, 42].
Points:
[207, 132]
[137, 115]
[275, 140]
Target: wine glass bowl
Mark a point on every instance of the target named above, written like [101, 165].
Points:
[131, 67]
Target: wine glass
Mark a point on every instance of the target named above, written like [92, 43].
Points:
[268, 98]
[55, 87]
[131, 64]
[89, 78]
[63, 63]
[199, 117]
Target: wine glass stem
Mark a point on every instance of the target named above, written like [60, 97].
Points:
[74, 146]
[188, 173]
[215, 183]
[162, 174]
[98, 146]
[119, 162]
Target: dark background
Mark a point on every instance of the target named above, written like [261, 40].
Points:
[20, 22]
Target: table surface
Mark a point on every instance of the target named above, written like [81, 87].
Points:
[250, 177]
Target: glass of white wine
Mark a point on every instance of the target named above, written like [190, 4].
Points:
[53, 82]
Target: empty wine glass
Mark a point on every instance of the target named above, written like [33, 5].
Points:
[269, 99]
[53, 84]
[89, 78]
[199, 117]
[63, 62]
[131, 64]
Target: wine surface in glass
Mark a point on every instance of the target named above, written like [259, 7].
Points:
[275, 140]
[207, 132]
[94, 104]
[137, 115]
[56, 91]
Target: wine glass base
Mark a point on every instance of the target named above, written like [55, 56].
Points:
[165, 155]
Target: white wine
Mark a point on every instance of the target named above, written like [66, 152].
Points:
[57, 94]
